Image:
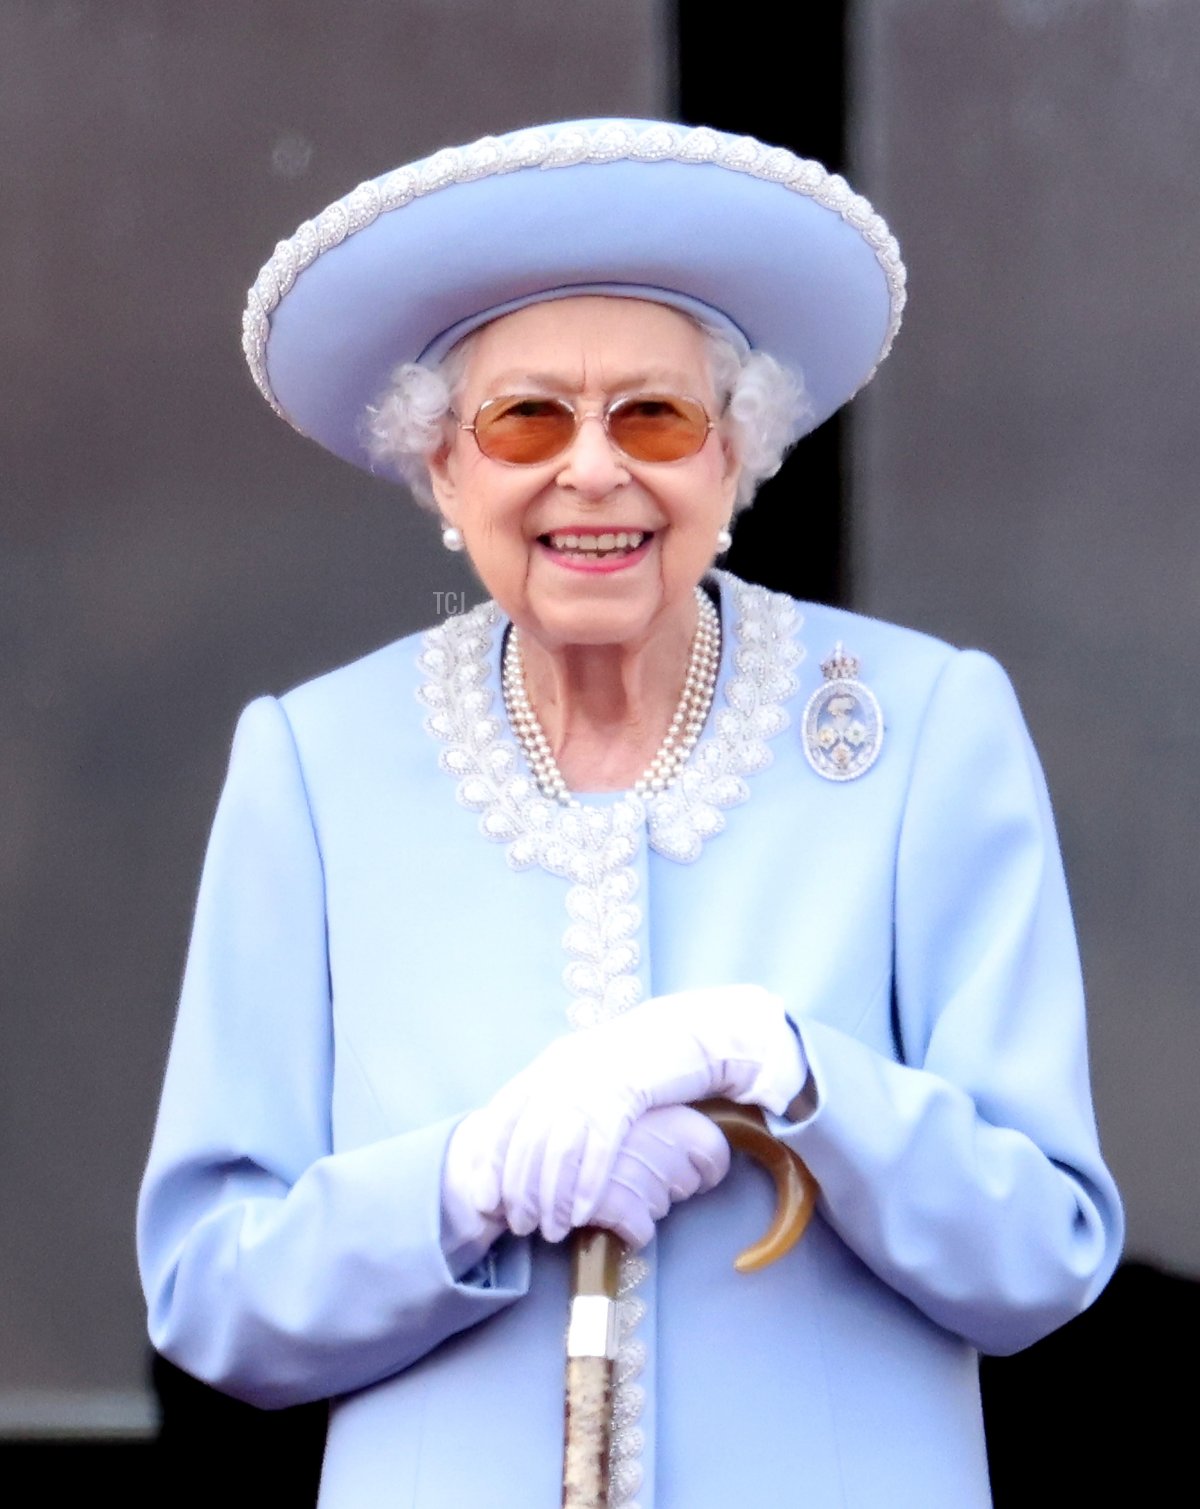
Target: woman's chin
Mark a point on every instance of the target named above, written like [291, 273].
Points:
[593, 624]
[559, 606]
[586, 618]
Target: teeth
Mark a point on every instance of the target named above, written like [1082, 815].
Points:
[595, 544]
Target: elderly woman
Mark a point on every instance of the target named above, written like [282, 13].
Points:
[486, 911]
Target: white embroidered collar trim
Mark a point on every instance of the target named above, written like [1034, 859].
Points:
[586, 843]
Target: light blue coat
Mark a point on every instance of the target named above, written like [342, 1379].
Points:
[392, 922]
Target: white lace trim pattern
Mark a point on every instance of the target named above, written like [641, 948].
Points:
[604, 141]
[626, 1473]
[593, 848]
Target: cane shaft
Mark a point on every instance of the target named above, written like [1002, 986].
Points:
[588, 1444]
[596, 1262]
[591, 1366]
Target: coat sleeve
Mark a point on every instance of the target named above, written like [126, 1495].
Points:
[275, 1268]
[966, 1172]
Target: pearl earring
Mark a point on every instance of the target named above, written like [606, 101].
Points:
[452, 538]
[724, 540]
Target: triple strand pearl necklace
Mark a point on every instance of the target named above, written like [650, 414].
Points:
[686, 726]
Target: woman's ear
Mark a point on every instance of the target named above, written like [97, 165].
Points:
[733, 470]
[442, 481]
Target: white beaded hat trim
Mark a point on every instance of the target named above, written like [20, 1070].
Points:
[598, 142]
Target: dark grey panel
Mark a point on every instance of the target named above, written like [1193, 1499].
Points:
[1025, 472]
[170, 549]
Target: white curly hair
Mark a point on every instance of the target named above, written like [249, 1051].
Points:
[765, 404]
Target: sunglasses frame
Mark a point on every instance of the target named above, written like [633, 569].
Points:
[604, 415]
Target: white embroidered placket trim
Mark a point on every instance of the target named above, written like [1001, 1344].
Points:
[592, 848]
[611, 141]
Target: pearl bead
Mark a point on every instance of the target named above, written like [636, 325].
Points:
[695, 702]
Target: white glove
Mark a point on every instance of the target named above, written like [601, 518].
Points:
[467, 1232]
[670, 1154]
[554, 1131]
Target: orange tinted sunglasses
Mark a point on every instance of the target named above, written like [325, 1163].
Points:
[525, 429]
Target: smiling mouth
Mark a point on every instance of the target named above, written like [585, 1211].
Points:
[609, 546]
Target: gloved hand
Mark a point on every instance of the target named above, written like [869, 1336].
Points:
[552, 1134]
[467, 1232]
[670, 1154]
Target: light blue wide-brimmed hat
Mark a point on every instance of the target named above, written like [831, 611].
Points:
[768, 247]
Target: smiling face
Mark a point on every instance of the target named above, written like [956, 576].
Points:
[590, 547]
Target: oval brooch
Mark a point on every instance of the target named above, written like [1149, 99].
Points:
[843, 724]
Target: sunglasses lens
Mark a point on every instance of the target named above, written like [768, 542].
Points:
[658, 427]
[524, 430]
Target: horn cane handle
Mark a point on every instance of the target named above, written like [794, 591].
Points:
[595, 1267]
[745, 1129]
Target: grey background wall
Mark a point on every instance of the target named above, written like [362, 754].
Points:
[168, 549]
[1025, 474]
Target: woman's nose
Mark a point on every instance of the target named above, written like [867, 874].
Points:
[592, 465]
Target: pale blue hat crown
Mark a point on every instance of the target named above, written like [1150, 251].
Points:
[768, 248]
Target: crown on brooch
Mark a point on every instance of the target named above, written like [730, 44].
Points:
[840, 666]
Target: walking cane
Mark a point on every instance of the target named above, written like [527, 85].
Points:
[592, 1329]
